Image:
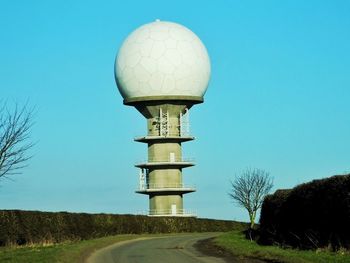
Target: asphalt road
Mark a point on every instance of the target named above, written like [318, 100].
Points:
[165, 249]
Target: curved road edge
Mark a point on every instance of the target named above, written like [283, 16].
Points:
[182, 247]
[95, 256]
[182, 244]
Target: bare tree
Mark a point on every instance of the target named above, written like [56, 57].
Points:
[15, 128]
[249, 189]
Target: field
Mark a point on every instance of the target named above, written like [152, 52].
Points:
[236, 243]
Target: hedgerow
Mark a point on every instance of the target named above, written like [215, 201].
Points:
[311, 215]
[19, 227]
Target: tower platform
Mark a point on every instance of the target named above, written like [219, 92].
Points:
[157, 138]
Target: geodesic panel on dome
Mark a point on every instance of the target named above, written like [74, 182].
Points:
[162, 59]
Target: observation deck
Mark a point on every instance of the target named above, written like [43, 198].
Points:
[168, 188]
[168, 138]
[169, 213]
[168, 163]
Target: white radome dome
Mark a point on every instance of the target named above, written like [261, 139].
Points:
[162, 59]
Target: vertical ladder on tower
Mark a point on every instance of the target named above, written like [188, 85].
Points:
[185, 123]
[163, 123]
[143, 179]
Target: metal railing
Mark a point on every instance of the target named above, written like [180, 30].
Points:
[169, 212]
[167, 160]
[169, 134]
[164, 186]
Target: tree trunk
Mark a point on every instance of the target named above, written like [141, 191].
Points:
[252, 216]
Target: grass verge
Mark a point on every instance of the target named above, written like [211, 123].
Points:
[68, 252]
[236, 243]
[64, 253]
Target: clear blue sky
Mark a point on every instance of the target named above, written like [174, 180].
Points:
[278, 99]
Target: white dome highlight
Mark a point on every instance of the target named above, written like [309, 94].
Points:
[162, 59]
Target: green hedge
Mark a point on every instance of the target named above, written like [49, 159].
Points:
[311, 215]
[27, 227]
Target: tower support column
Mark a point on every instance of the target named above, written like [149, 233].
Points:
[165, 134]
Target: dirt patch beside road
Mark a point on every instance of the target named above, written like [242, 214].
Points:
[208, 247]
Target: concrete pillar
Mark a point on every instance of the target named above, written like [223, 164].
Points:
[165, 162]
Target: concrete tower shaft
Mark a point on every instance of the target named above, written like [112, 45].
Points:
[161, 175]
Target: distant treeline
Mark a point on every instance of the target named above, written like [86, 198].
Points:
[311, 215]
[19, 227]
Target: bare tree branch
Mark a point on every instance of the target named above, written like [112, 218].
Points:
[249, 189]
[15, 129]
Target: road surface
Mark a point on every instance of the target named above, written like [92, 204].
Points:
[165, 249]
